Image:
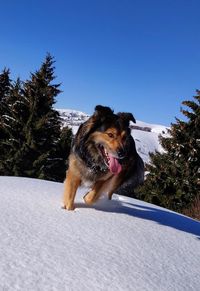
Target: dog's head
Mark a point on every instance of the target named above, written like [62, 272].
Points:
[110, 133]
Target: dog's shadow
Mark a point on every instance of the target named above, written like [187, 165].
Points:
[158, 215]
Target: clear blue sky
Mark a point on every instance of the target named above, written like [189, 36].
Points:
[141, 56]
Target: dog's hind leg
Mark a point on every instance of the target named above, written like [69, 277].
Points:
[114, 183]
[71, 185]
[92, 196]
[107, 186]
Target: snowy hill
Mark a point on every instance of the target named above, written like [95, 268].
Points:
[145, 134]
[123, 244]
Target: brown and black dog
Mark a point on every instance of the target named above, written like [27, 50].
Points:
[103, 157]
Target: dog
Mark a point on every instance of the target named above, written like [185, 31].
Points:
[103, 157]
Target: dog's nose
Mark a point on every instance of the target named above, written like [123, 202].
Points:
[120, 153]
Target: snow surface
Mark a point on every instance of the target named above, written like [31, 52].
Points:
[123, 244]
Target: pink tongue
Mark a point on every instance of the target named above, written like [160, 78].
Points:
[114, 165]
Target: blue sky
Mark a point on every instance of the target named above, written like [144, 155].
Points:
[138, 56]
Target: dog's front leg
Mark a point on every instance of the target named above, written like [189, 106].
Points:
[71, 185]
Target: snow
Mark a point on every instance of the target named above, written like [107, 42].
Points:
[72, 111]
[146, 142]
[154, 127]
[123, 244]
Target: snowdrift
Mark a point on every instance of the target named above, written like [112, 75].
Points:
[123, 244]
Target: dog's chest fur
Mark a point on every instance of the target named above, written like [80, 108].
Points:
[89, 173]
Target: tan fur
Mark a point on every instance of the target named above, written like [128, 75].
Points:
[108, 182]
[111, 143]
[74, 180]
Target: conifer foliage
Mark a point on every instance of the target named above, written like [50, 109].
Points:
[173, 178]
[5, 86]
[31, 135]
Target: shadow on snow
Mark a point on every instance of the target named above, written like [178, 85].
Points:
[159, 215]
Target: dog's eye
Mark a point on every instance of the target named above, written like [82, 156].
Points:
[110, 134]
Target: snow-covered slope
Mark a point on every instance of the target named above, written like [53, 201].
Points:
[145, 134]
[123, 244]
[147, 141]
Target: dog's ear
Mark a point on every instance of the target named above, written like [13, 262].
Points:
[126, 117]
[101, 112]
[100, 115]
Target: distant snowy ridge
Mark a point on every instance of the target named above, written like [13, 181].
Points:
[145, 134]
[72, 117]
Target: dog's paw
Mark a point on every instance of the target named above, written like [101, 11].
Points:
[68, 207]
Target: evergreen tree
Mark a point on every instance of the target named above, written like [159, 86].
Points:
[173, 178]
[5, 85]
[16, 118]
[57, 169]
[34, 141]
[42, 129]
